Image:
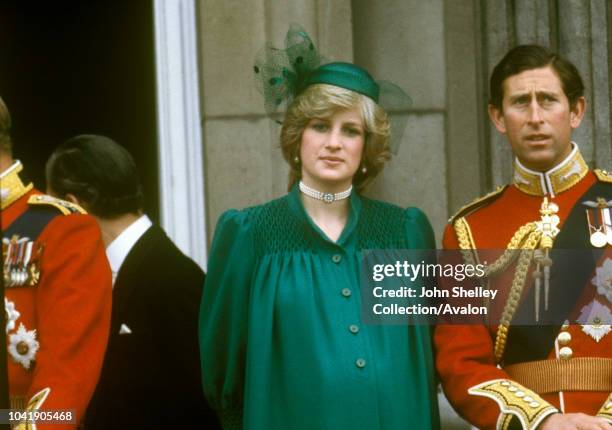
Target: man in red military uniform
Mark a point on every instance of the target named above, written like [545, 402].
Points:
[558, 375]
[57, 297]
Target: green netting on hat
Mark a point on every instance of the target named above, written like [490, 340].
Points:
[282, 74]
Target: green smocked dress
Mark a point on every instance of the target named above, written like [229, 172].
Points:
[281, 337]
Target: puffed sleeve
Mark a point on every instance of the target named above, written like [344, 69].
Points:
[419, 233]
[73, 305]
[224, 317]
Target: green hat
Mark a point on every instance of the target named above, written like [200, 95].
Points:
[282, 74]
[344, 75]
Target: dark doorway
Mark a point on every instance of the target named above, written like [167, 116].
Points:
[73, 67]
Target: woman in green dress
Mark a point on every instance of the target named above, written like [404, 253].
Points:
[282, 341]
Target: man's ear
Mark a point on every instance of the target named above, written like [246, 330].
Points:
[497, 118]
[577, 112]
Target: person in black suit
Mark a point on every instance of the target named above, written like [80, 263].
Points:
[151, 373]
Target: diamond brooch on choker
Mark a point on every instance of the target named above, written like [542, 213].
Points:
[326, 197]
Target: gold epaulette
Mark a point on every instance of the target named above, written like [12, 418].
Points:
[603, 175]
[63, 206]
[516, 400]
[477, 203]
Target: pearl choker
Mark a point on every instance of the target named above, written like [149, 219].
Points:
[326, 197]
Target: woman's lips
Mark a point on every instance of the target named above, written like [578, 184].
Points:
[332, 160]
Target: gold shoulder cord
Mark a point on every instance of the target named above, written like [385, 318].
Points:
[466, 240]
[516, 290]
[522, 245]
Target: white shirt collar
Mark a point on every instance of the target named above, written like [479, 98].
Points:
[119, 248]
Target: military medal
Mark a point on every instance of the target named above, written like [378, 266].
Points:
[21, 257]
[23, 346]
[599, 221]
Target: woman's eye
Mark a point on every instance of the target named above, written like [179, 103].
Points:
[319, 126]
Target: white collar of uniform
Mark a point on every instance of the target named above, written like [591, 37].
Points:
[121, 246]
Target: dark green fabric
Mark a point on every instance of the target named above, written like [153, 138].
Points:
[344, 75]
[274, 325]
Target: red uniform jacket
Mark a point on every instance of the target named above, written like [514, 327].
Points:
[465, 354]
[57, 329]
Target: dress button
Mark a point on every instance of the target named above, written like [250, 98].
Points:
[566, 353]
[361, 363]
[346, 292]
[336, 258]
[354, 329]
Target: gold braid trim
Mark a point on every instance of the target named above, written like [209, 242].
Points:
[518, 283]
[512, 249]
[606, 409]
[516, 400]
[521, 245]
[466, 240]
[503, 421]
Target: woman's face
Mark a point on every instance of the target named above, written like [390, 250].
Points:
[331, 148]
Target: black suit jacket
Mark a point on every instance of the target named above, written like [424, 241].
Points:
[151, 377]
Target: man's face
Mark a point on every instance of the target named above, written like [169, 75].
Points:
[537, 118]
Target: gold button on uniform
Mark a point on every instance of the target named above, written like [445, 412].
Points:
[566, 353]
[564, 338]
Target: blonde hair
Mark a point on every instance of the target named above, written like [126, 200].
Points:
[322, 101]
[6, 144]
